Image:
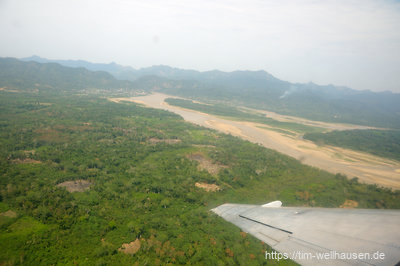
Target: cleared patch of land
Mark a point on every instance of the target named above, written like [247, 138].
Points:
[8, 90]
[208, 187]
[130, 248]
[25, 161]
[206, 164]
[167, 141]
[367, 168]
[349, 204]
[76, 185]
[9, 213]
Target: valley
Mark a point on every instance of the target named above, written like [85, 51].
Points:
[367, 168]
[199, 133]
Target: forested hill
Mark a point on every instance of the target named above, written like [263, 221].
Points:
[118, 71]
[28, 75]
[260, 89]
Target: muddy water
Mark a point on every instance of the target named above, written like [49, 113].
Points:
[368, 168]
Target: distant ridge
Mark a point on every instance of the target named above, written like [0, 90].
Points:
[129, 73]
[258, 89]
[114, 69]
[27, 75]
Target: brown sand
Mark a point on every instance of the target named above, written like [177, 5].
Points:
[368, 168]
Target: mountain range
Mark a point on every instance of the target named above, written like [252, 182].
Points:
[257, 89]
[28, 75]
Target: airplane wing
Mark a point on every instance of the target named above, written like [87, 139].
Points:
[315, 236]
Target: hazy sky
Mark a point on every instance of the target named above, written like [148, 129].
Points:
[352, 43]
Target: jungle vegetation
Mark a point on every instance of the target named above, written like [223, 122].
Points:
[142, 185]
[384, 143]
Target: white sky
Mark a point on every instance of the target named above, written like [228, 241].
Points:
[342, 42]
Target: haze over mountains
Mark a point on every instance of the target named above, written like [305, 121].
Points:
[257, 89]
[28, 75]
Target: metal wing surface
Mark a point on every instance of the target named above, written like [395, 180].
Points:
[343, 236]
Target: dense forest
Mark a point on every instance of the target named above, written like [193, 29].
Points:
[85, 180]
[384, 143]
